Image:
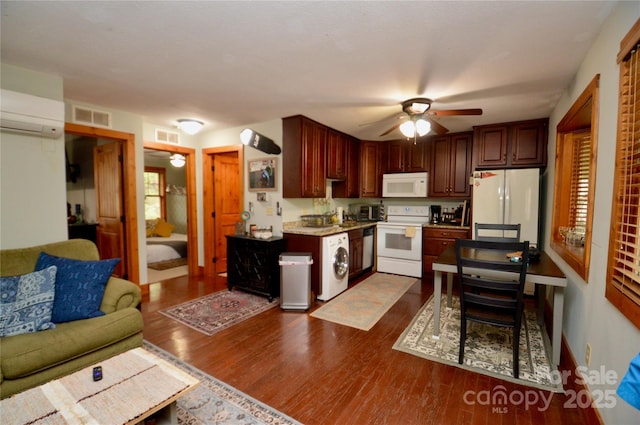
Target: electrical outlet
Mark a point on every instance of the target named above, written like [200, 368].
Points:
[587, 355]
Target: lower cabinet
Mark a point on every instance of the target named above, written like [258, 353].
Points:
[253, 264]
[435, 240]
[355, 252]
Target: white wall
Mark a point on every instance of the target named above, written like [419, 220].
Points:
[588, 316]
[33, 206]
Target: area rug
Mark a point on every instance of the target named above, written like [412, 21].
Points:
[363, 305]
[214, 402]
[487, 349]
[220, 310]
[168, 264]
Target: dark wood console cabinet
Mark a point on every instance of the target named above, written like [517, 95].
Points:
[252, 264]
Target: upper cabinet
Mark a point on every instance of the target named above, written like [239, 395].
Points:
[304, 147]
[349, 187]
[370, 169]
[450, 165]
[337, 150]
[511, 145]
[405, 156]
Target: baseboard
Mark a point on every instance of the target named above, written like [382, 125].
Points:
[568, 363]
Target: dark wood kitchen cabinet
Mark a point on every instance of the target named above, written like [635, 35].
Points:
[403, 156]
[349, 187]
[304, 144]
[511, 145]
[370, 169]
[337, 151]
[356, 248]
[435, 240]
[253, 264]
[450, 165]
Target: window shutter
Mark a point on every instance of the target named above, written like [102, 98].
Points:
[580, 181]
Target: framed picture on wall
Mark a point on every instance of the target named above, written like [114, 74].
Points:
[263, 174]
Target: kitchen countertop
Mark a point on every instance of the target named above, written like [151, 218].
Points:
[297, 229]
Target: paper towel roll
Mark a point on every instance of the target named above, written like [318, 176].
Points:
[339, 212]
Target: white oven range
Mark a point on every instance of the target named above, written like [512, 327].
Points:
[400, 240]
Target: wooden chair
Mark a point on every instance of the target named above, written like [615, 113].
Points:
[504, 229]
[491, 287]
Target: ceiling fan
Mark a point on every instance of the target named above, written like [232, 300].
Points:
[418, 114]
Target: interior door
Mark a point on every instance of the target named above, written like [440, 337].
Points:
[226, 208]
[110, 237]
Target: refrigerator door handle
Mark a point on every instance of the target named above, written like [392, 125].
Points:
[507, 202]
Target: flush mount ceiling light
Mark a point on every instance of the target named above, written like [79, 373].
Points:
[177, 160]
[190, 126]
[262, 143]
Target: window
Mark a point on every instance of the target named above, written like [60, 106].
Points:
[575, 173]
[154, 193]
[623, 270]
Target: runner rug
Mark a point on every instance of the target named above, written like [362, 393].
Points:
[214, 402]
[168, 264]
[220, 310]
[488, 349]
[363, 305]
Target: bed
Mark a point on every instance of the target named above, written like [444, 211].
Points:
[164, 249]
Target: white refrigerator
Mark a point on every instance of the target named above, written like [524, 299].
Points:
[507, 197]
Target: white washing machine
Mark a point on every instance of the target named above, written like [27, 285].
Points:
[334, 273]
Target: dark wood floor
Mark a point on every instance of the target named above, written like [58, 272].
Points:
[319, 372]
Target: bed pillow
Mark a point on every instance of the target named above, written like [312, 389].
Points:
[163, 228]
[79, 286]
[26, 302]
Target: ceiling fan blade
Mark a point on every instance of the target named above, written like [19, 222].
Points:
[383, 119]
[391, 129]
[450, 112]
[436, 127]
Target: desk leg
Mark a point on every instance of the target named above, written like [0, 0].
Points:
[542, 298]
[449, 289]
[437, 295]
[558, 306]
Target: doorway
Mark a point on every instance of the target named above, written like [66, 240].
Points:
[186, 194]
[119, 241]
[223, 187]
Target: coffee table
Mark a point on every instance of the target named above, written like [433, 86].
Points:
[135, 385]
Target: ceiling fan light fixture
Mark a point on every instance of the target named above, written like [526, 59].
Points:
[420, 108]
[423, 127]
[190, 126]
[177, 160]
[408, 128]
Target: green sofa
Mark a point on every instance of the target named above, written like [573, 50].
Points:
[31, 359]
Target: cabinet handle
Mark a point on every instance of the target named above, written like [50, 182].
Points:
[514, 156]
[444, 234]
[504, 156]
[445, 243]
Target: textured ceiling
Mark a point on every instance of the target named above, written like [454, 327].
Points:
[345, 64]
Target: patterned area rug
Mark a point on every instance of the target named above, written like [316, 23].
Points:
[487, 349]
[363, 305]
[168, 264]
[214, 402]
[220, 310]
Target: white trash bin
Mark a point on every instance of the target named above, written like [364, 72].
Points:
[295, 280]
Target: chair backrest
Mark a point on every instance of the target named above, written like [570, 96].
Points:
[497, 232]
[489, 280]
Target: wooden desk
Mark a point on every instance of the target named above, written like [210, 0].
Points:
[543, 272]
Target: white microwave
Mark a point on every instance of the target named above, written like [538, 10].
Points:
[405, 185]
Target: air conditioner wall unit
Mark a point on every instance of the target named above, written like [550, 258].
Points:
[28, 114]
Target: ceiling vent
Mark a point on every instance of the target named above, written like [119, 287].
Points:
[91, 117]
[166, 136]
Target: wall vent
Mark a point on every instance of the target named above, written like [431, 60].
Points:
[91, 117]
[166, 136]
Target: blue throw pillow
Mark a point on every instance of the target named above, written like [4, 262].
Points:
[80, 286]
[26, 302]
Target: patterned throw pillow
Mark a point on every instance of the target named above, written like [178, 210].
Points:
[80, 286]
[26, 302]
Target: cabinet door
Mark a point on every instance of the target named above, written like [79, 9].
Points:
[417, 156]
[370, 177]
[491, 145]
[395, 156]
[440, 163]
[350, 187]
[528, 144]
[314, 138]
[337, 145]
[460, 165]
